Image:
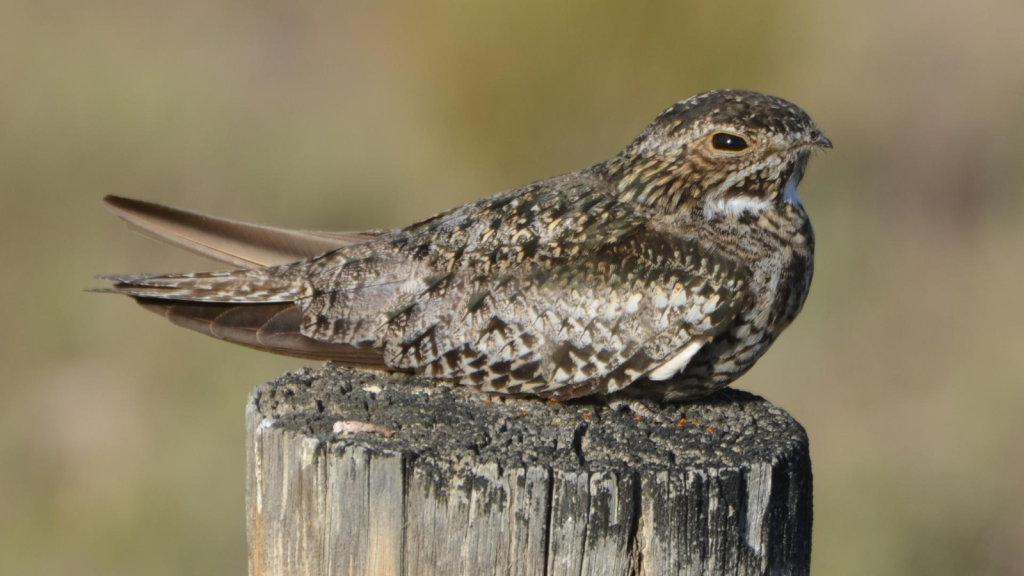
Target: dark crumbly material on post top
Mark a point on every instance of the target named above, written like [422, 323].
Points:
[450, 424]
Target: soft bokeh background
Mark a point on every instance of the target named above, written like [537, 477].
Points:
[122, 437]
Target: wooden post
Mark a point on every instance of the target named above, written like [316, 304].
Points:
[356, 472]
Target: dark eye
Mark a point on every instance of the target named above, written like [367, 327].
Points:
[728, 142]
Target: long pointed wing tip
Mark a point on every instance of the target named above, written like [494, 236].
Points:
[118, 204]
[237, 243]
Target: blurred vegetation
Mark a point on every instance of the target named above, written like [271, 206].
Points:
[121, 436]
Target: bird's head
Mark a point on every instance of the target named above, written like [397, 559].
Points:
[723, 154]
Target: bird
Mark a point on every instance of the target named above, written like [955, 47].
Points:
[661, 274]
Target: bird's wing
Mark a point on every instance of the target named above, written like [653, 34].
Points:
[552, 289]
[236, 243]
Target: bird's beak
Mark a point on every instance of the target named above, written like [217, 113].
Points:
[819, 140]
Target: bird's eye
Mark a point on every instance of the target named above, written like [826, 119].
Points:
[728, 142]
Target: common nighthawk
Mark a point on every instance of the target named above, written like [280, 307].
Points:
[665, 272]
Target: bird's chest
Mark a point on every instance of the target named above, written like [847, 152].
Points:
[779, 284]
[781, 261]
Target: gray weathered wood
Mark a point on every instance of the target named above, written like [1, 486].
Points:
[446, 481]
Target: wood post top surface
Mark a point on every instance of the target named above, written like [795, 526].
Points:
[448, 425]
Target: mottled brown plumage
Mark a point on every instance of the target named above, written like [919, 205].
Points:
[665, 272]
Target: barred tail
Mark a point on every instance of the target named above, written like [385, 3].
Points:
[258, 286]
[247, 307]
[271, 327]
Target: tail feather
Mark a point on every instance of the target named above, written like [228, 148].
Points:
[254, 286]
[270, 327]
[253, 306]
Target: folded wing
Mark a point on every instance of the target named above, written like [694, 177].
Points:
[236, 243]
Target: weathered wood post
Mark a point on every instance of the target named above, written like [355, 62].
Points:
[353, 472]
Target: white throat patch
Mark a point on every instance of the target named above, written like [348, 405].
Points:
[735, 206]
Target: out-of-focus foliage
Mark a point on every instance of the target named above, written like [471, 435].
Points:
[121, 436]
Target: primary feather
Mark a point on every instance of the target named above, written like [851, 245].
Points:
[228, 241]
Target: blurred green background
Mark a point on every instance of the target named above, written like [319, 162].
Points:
[122, 437]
